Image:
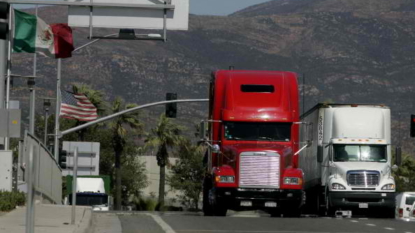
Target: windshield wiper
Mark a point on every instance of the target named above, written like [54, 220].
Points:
[266, 138]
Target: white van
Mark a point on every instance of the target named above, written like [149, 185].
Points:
[405, 206]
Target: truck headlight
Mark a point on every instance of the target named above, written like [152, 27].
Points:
[293, 180]
[225, 179]
[337, 186]
[388, 187]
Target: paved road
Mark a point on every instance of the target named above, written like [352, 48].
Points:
[251, 223]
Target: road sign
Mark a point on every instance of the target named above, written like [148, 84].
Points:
[10, 121]
[135, 18]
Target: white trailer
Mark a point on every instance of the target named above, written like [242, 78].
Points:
[347, 164]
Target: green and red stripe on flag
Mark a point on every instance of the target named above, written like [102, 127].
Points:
[32, 34]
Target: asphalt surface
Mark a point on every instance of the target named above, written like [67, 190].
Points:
[253, 223]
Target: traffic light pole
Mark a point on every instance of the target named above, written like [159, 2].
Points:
[74, 180]
[57, 110]
[3, 70]
[128, 111]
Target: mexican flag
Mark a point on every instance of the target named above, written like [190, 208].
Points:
[32, 34]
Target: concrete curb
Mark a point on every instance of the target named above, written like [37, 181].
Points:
[85, 223]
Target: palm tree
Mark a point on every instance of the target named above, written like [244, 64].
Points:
[119, 128]
[165, 135]
[96, 98]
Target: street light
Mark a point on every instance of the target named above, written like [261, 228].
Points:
[46, 107]
[31, 84]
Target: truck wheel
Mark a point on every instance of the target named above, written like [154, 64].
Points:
[320, 206]
[292, 213]
[329, 209]
[207, 207]
[389, 213]
[275, 213]
[219, 210]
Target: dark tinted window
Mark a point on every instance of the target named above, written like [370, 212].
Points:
[257, 88]
[410, 200]
[258, 131]
[86, 199]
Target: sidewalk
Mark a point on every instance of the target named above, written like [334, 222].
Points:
[48, 219]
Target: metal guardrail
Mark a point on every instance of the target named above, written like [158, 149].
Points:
[47, 175]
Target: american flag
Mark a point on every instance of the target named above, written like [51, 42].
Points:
[77, 106]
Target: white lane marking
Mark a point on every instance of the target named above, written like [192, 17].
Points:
[250, 231]
[244, 216]
[370, 224]
[389, 228]
[166, 227]
[354, 221]
[408, 232]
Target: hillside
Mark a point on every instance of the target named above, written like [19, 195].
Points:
[348, 50]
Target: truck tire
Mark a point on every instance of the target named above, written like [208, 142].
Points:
[389, 213]
[207, 207]
[219, 210]
[292, 213]
[275, 213]
[329, 209]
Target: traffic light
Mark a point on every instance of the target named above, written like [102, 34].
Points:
[62, 158]
[412, 125]
[4, 20]
[171, 109]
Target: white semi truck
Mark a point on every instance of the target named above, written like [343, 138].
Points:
[90, 191]
[347, 159]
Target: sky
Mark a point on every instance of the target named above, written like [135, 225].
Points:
[216, 7]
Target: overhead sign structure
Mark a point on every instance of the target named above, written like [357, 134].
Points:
[88, 158]
[133, 18]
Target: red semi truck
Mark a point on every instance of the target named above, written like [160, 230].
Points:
[253, 137]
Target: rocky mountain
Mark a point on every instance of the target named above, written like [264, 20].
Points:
[345, 51]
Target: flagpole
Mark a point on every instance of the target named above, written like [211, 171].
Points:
[58, 102]
[9, 67]
[35, 54]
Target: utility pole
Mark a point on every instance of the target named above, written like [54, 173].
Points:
[4, 45]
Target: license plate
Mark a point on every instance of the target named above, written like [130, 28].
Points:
[270, 204]
[246, 203]
[363, 205]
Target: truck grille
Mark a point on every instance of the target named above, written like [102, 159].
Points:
[259, 169]
[363, 178]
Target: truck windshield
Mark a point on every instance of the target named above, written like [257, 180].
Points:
[359, 153]
[89, 199]
[258, 131]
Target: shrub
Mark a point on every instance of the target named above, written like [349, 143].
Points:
[9, 200]
[148, 204]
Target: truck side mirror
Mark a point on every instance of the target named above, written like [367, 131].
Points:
[320, 154]
[398, 156]
[395, 168]
[215, 148]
